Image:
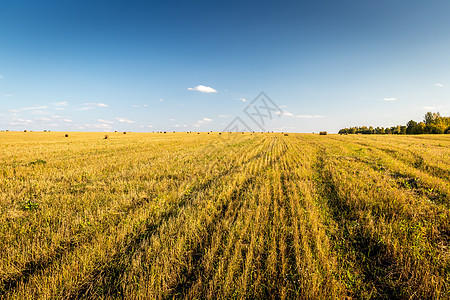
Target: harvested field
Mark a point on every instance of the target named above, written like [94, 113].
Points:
[266, 215]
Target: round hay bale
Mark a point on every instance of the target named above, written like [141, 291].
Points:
[66, 135]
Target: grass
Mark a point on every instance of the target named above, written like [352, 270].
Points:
[177, 215]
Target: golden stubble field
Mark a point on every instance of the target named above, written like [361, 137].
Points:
[177, 215]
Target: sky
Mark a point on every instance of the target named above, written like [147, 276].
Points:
[94, 65]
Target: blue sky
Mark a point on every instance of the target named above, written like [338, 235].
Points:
[195, 65]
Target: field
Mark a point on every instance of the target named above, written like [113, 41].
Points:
[177, 215]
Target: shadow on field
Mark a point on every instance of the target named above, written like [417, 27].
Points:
[32, 267]
[374, 274]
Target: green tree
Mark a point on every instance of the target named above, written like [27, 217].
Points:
[430, 117]
[403, 129]
[411, 126]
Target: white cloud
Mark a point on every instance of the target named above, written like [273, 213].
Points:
[37, 109]
[438, 84]
[309, 116]
[177, 125]
[95, 104]
[284, 114]
[123, 120]
[8, 95]
[85, 108]
[161, 100]
[62, 119]
[91, 105]
[59, 104]
[172, 120]
[432, 107]
[241, 99]
[223, 116]
[18, 121]
[203, 89]
[388, 99]
[202, 122]
[105, 121]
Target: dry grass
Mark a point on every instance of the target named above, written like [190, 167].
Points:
[144, 216]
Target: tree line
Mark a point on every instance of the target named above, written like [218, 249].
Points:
[433, 123]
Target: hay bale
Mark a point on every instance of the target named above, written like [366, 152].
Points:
[323, 133]
[106, 137]
[286, 134]
[25, 130]
[66, 135]
[124, 132]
